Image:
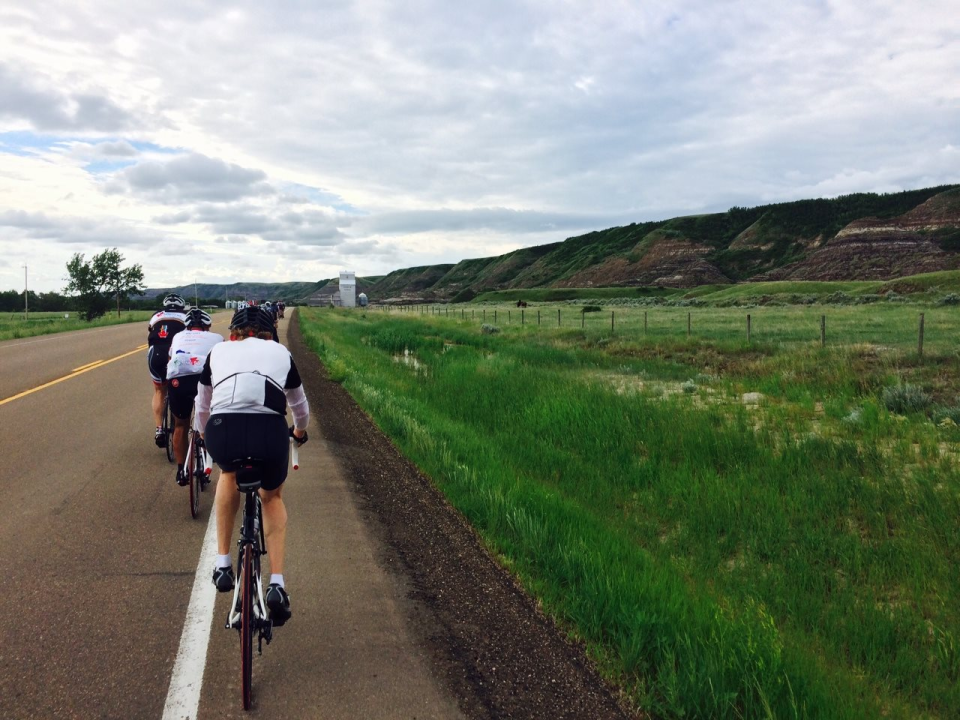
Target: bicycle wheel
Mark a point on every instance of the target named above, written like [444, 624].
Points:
[168, 426]
[246, 626]
[195, 468]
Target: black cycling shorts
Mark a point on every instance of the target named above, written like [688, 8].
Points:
[157, 357]
[234, 436]
[182, 391]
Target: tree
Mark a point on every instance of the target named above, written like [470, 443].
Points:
[96, 282]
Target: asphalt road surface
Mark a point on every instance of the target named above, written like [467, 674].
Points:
[99, 556]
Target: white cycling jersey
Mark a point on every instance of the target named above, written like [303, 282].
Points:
[251, 376]
[189, 351]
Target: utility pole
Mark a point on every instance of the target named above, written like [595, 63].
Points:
[26, 304]
[196, 299]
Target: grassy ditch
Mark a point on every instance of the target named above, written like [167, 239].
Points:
[733, 530]
[13, 325]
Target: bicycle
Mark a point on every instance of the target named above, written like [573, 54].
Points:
[248, 611]
[166, 425]
[198, 467]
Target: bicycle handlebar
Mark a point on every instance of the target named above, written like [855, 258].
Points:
[295, 444]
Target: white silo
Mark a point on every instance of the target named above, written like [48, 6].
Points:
[348, 288]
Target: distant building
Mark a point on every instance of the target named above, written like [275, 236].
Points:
[348, 288]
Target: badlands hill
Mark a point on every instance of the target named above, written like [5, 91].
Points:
[864, 236]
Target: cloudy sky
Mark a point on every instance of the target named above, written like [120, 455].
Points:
[287, 140]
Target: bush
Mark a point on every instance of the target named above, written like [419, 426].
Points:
[488, 329]
[689, 387]
[903, 399]
[590, 308]
[950, 299]
[465, 295]
[838, 298]
[947, 413]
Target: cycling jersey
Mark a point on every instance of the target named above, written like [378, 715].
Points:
[189, 350]
[251, 376]
[163, 326]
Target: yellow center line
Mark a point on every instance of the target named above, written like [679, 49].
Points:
[87, 366]
[81, 371]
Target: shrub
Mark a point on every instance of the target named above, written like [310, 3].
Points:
[903, 399]
[950, 299]
[947, 413]
[838, 298]
[590, 308]
[689, 386]
[488, 329]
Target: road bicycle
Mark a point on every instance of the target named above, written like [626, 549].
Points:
[198, 468]
[248, 611]
[166, 425]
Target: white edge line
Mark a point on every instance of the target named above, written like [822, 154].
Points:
[183, 697]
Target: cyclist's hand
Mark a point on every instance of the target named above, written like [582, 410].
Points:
[300, 436]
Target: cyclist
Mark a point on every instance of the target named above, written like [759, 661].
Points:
[242, 398]
[188, 353]
[161, 329]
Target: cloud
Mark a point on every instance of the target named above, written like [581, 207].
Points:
[79, 231]
[24, 99]
[189, 178]
[501, 219]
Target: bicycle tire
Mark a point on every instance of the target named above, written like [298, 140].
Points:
[246, 627]
[195, 468]
[168, 427]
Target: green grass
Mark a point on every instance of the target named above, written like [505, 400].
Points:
[13, 325]
[556, 294]
[796, 558]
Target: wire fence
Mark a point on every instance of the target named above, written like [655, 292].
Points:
[906, 328]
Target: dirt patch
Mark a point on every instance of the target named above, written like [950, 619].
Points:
[488, 641]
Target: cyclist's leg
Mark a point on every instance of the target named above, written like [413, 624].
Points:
[182, 392]
[159, 377]
[227, 503]
[274, 527]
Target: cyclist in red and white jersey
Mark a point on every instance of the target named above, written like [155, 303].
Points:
[188, 353]
[161, 330]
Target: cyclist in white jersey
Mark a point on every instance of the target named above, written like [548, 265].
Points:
[188, 354]
[161, 329]
[242, 399]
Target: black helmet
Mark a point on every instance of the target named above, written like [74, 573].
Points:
[198, 318]
[174, 303]
[252, 316]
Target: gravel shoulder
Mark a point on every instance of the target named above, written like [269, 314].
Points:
[487, 640]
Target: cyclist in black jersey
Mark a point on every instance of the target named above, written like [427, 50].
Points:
[160, 332]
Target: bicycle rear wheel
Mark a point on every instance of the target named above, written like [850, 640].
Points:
[246, 626]
[168, 426]
[195, 468]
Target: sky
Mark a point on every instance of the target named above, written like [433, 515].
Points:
[251, 141]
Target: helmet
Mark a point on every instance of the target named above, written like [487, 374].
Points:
[198, 318]
[252, 316]
[174, 303]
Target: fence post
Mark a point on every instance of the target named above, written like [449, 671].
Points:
[920, 341]
[494, 317]
[484, 314]
[611, 320]
[644, 322]
[522, 320]
[688, 324]
[508, 317]
[748, 327]
[558, 317]
[823, 331]
[538, 317]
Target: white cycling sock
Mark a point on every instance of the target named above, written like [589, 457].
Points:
[223, 561]
[276, 580]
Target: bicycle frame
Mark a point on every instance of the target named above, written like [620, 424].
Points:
[251, 539]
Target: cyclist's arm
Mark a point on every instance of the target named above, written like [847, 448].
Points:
[204, 393]
[296, 398]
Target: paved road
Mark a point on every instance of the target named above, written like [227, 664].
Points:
[99, 557]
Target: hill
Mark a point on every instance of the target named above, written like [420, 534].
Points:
[291, 291]
[863, 236]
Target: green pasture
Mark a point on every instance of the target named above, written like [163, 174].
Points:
[13, 325]
[886, 325]
[734, 530]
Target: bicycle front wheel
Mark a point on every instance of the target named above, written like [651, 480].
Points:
[246, 627]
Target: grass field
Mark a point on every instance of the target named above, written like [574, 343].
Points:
[13, 325]
[734, 530]
[925, 288]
